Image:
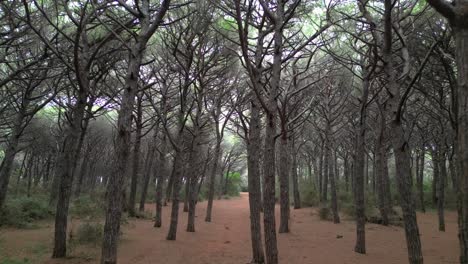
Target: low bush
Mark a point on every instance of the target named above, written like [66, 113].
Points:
[23, 212]
[85, 206]
[89, 233]
[324, 212]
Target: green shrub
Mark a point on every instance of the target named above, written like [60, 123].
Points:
[309, 195]
[85, 206]
[89, 233]
[324, 212]
[22, 212]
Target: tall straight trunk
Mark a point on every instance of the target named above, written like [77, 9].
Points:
[212, 180]
[170, 184]
[295, 180]
[29, 173]
[66, 163]
[194, 175]
[82, 173]
[284, 182]
[381, 160]
[148, 169]
[326, 166]
[420, 180]
[269, 222]
[177, 180]
[334, 200]
[10, 153]
[161, 178]
[116, 180]
[435, 174]
[461, 53]
[253, 149]
[136, 156]
[359, 174]
[320, 174]
[441, 190]
[400, 145]
[187, 191]
[346, 173]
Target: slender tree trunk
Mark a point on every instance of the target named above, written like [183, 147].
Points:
[461, 53]
[161, 178]
[334, 199]
[295, 180]
[211, 184]
[359, 173]
[441, 190]
[253, 149]
[435, 174]
[381, 160]
[149, 167]
[420, 181]
[178, 170]
[136, 157]
[116, 180]
[284, 183]
[66, 163]
[326, 166]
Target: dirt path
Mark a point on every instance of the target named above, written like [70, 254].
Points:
[227, 240]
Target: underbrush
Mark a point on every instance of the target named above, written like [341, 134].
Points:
[88, 233]
[24, 212]
[87, 207]
[15, 261]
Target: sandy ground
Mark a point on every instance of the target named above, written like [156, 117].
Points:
[226, 240]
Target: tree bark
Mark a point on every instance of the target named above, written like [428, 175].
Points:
[284, 183]
[136, 156]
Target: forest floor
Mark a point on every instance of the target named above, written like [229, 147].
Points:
[226, 240]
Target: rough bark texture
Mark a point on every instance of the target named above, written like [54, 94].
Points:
[441, 190]
[66, 161]
[400, 146]
[253, 149]
[334, 199]
[359, 160]
[136, 156]
[161, 178]
[295, 180]
[284, 183]
[382, 169]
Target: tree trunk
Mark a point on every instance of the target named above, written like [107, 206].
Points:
[326, 166]
[136, 156]
[211, 184]
[149, 168]
[381, 160]
[66, 163]
[441, 190]
[284, 183]
[359, 174]
[435, 175]
[334, 200]
[420, 180]
[461, 54]
[161, 178]
[295, 180]
[10, 153]
[253, 149]
[178, 170]
[116, 180]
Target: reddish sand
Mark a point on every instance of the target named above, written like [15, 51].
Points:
[227, 240]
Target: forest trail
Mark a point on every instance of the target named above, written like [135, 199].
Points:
[227, 240]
